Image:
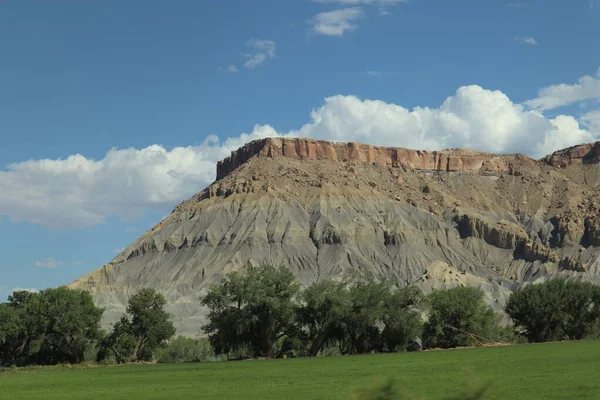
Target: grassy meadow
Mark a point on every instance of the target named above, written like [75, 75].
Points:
[569, 370]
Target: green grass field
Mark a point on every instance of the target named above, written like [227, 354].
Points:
[545, 371]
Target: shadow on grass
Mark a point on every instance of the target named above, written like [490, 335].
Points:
[390, 390]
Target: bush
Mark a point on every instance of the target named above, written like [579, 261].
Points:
[455, 314]
[183, 349]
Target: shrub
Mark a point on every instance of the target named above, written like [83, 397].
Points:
[455, 314]
[183, 349]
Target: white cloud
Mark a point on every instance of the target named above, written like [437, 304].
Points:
[262, 50]
[76, 262]
[127, 183]
[373, 73]
[18, 289]
[554, 96]
[362, 2]
[232, 69]
[48, 263]
[473, 117]
[591, 121]
[117, 250]
[132, 229]
[80, 191]
[337, 22]
[527, 40]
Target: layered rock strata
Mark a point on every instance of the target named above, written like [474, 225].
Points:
[320, 208]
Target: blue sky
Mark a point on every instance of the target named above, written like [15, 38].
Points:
[112, 112]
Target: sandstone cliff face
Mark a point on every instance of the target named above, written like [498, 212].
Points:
[586, 153]
[446, 160]
[322, 208]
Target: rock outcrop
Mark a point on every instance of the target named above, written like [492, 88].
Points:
[433, 219]
[446, 160]
[582, 154]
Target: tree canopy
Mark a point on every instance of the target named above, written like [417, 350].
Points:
[454, 314]
[558, 309]
[253, 309]
[53, 326]
[145, 328]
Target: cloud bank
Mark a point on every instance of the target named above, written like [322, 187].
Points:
[78, 191]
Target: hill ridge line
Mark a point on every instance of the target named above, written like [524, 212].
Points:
[447, 160]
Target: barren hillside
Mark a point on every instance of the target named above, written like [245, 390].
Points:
[434, 219]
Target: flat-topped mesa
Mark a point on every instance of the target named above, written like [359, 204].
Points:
[445, 160]
[588, 153]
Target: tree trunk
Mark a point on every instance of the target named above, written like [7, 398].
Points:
[316, 346]
[138, 345]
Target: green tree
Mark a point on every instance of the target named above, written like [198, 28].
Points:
[145, 328]
[54, 326]
[456, 313]
[401, 318]
[67, 322]
[12, 335]
[149, 324]
[362, 315]
[254, 309]
[323, 306]
[557, 309]
[15, 338]
[120, 342]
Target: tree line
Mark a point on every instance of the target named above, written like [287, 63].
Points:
[62, 325]
[264, 312]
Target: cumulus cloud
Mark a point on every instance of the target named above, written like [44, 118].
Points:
[127, 183]
[18, 289]
[48, 263]
[262, 50]
[554, 96]
[473, 117]
[337, 22]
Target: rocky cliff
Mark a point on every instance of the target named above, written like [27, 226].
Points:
[432, 219]
[446, 160]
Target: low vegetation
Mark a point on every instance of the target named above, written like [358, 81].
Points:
[185, 350]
